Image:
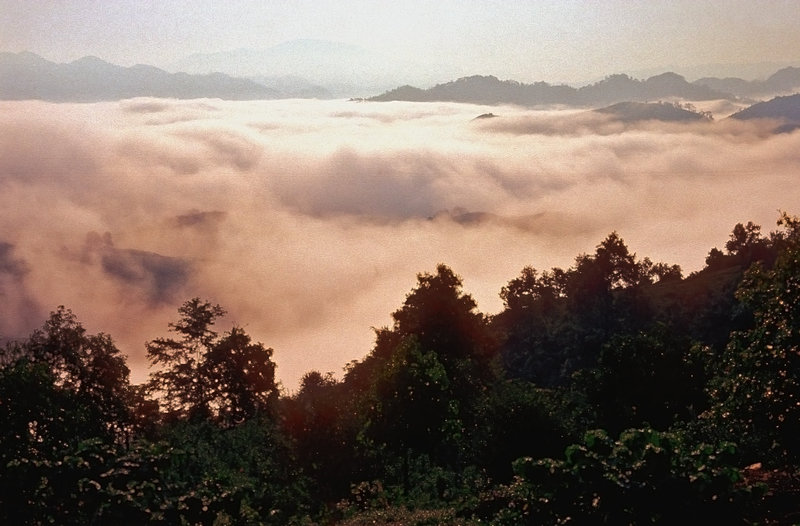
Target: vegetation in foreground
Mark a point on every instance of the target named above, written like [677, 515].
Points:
[613, 392]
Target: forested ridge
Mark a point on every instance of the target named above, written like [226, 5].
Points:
[617, 391]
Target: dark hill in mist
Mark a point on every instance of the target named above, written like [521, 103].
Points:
[659, 111]
[615, 88]
[29, 76]
[784, 109]
[480, 89]
[619, 88]
[782, 81]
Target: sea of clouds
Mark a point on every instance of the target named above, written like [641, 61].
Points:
[309, 220]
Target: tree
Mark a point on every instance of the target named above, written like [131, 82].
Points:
[62, 392]
[321, 424]
[413, 402]
[428, 377]
[648, 378]
[619, 264]
[663, 272]
[229, 379]
[529, 290]
[241, 375]
[88, 369]
[529, 326]
[757, 389]
[183, 389]
[743, 238]
[444, 319]
[744, 247]
[590, 282]
[603, 298]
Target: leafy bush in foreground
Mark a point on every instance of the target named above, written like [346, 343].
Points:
[645, 476]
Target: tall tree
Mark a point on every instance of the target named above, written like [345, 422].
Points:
[62, 392]
[241, 375]
[205, 376]
[184, 390]
[757, 391]
[529, 326]
[87, 368]
[437, 363]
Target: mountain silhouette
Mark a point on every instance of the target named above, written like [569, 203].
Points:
[786, 110]
[479, 89]
[615, 88]
[782, 81]
[28, 76]
[659, 111]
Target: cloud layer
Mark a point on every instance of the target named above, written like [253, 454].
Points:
[308, 220]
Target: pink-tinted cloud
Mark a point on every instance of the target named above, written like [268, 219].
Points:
[308, 221]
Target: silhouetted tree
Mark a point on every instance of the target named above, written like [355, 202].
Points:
[230, 379]
[63, 392]
[743, 237]
[183, 389]
[757, 391]
[436, 365]
[88, 369]
[648, 378]
[530, 325]
[323, 426]
[602, 292]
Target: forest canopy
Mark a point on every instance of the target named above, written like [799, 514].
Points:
[615, 391]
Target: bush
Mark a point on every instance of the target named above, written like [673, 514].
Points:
[645, 476]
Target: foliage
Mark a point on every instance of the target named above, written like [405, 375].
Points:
[322, 426]
[181, 386]
[645, 476]
[757, 388]
[61, 361]
[525, 420]
[227, 378]
[653, 377]
[453, 417]
[436, 366]
[63, 406]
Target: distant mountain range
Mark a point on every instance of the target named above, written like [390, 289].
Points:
[29, 76]
[294, 87]
[613, 89]
[782, 81]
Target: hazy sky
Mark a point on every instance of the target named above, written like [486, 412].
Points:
[553, 40]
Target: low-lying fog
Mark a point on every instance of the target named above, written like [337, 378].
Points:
[308, 221]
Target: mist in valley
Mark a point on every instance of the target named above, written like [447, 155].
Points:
[309, 220]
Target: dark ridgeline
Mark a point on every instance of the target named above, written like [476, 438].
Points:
[28, 76]
[614, 391]
[785, 110]
[658, 111]
[615, 88]
[782, 81]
